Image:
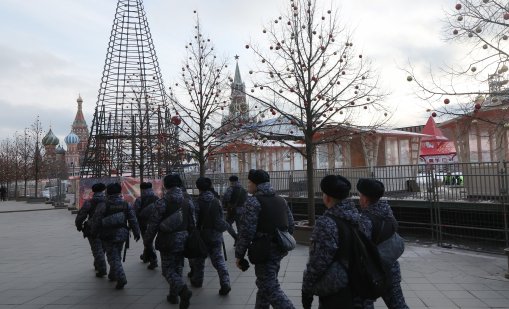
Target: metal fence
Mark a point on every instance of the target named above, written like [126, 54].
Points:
[460, 204]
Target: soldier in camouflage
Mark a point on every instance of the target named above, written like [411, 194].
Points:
[86, 212]
[325, 245]
[211, 223]
[234, 200]
[109, 222]
[264, 201]
[374, 211]
[171, 244]
[143, 206]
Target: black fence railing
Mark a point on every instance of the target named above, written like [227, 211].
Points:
[460, 204]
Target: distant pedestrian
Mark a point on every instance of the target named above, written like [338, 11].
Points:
[234, 200]
[110, 224]
[169, 221]
[144, 206]
[82, 222]
[265, 212]
[3, 193]
[211, 223]
[381, 228]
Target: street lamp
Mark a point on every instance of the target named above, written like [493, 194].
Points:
[74, 183]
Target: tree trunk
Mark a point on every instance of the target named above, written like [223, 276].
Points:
[311, 184]
[201, 161]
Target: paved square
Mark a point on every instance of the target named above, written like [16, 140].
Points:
[46, 263]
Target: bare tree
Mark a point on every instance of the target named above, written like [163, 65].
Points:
[314, 79]
[473, 90]
[199, 99]
[35, 133]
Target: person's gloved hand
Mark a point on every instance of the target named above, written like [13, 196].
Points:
[307, 300]
[136, 237]
[79, 228]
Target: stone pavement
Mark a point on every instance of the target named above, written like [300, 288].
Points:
[46, 263]
[13, 206]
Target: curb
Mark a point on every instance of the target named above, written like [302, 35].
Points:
[26, 210]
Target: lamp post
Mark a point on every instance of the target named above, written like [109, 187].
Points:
[74, 183]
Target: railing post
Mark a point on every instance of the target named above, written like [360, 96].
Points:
[506, 250]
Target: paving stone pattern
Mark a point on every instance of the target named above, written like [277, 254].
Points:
[46, 263]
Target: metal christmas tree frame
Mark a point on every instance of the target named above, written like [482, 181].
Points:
[132, 133]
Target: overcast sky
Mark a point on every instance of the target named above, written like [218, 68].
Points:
[52, 50]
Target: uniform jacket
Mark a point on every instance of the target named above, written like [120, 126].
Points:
[86, 211]
[176, 240]
[214, 235]
[249, 219]
[119, 234]
[325, 243]
[228, 194]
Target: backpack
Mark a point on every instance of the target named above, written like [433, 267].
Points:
[367, 276]
[238, 197]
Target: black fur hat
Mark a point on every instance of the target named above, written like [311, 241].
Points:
[113, 188]
[371, 188]
[98, 187]
[145, 185]
[258, 176]
[172, 180]
[336, 186]
[233, 178]
[203, 183]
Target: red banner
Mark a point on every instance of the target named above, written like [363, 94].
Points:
[130, 187]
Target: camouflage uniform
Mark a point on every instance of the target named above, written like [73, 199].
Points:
[393, 298]
[269, 291]
[322, 253]
[87, 211]
[113, 238]
[213, 241]
[234, 211]
[145, 200]
[170, 246]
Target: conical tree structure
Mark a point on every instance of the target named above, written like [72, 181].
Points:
[131, 133]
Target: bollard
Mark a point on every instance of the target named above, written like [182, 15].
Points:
[506, 250]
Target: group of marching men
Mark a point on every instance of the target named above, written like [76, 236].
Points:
[106, 220]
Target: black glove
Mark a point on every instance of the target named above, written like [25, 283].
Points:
[78, 228]
[307, 300]
[244, 264]
[136, 237]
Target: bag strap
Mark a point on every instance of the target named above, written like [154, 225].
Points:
[345, 232]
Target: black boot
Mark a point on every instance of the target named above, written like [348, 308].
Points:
[185, 295]
[100, 274]
[152, 265]
[121, 283]
[172, 299]
[225, 289]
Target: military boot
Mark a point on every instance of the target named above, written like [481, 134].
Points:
[152, 265]
[121, 283]
[172, 299]
[185, 295]
[225, 289]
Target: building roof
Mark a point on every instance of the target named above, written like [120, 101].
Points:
[435, 143]
[50, 139]
[79, 119]
[72, 139]
[431, 129]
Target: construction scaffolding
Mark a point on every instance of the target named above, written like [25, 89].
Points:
[132, 134]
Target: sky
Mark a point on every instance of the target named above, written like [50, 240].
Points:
[53, 50]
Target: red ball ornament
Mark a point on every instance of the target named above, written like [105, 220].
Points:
[506, 16]
[176, 120]
[446, 101]
[455, 31]
[477, 106]
[247, 46]
[458, 6]
[433, 114]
